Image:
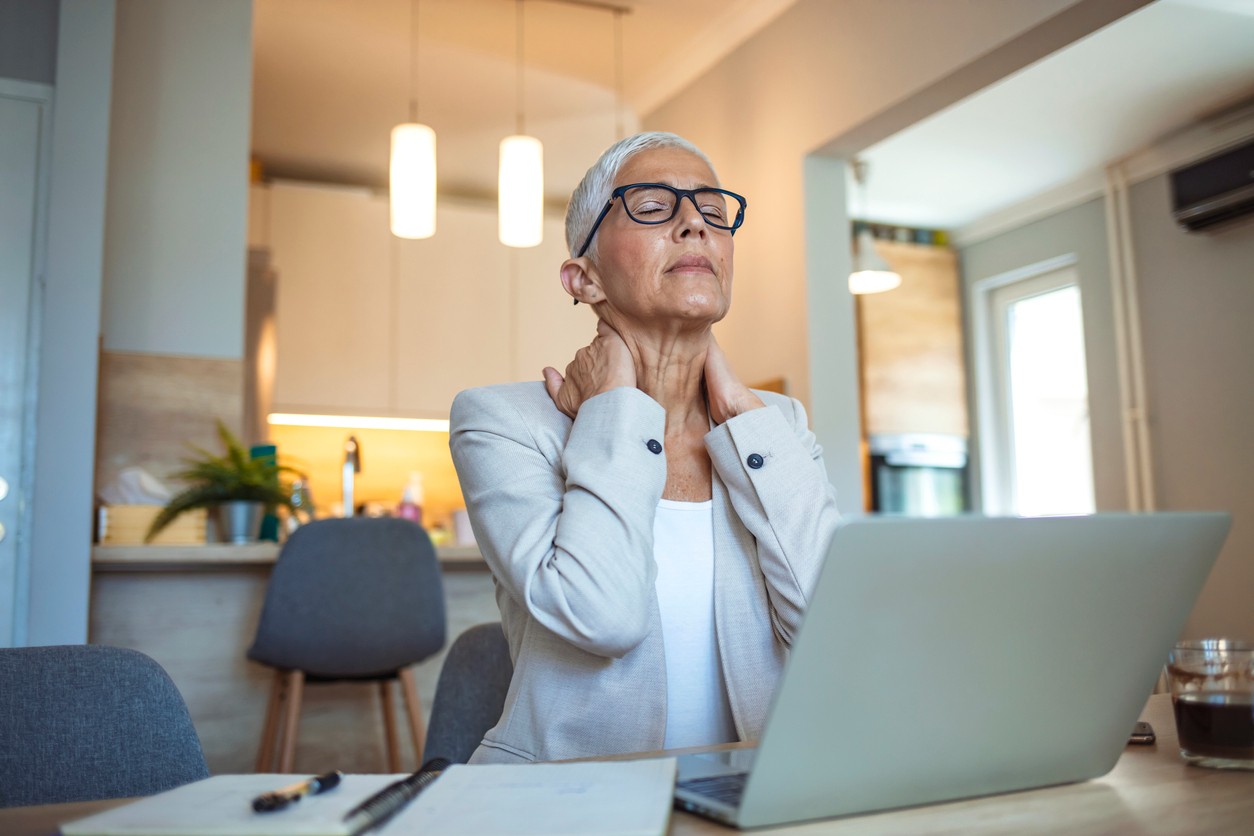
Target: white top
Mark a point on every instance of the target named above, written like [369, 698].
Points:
[697, 711]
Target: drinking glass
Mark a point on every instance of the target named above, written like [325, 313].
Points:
[1212, 693]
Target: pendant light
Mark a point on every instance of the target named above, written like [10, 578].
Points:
[871, 273]
[412, 170]
[520, 183]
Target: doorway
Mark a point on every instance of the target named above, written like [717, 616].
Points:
[24, 120]
[1032, 393]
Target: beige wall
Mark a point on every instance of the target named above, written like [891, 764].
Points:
[814, 74]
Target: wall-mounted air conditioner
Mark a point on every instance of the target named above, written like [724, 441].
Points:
[1216, 189]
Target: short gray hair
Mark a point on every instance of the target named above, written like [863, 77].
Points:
[594, 189]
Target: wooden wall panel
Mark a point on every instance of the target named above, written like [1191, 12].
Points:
[150, 406]
[913, 375]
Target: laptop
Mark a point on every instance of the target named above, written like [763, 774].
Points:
[957, 657]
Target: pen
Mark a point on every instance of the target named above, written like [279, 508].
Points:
[388, 801]
[280, 798]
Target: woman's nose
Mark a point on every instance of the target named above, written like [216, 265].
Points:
[690, 218]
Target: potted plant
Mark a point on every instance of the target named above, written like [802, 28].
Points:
[239, 488]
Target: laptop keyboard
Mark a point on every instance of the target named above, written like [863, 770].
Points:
[725, 788]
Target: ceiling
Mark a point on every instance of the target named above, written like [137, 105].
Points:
[331, 78]
[1062, 120]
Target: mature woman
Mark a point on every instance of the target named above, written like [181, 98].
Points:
[654, 526]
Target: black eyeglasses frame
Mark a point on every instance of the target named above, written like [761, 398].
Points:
[680, 194]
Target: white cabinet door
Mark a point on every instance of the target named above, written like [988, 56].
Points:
[331, 251]
[453, 311]
[370, 324]
[550, 328]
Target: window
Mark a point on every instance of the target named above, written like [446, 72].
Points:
[1032, 392]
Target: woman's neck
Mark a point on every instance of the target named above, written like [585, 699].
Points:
[670, 369]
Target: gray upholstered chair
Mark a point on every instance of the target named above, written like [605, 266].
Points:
[349, 599]
[85, 722]
[470, 694]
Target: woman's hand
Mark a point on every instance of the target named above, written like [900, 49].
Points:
[727, 396]
[600, 366]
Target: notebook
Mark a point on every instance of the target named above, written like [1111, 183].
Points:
[622, 798]
[965, 656]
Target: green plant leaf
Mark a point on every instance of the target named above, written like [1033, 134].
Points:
[214, 479]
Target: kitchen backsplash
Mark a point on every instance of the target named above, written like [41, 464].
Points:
[151, 406]
[387, 459]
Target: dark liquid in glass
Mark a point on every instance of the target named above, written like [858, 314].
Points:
[1218, 725]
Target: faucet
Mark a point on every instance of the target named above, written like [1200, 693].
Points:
[352, 466]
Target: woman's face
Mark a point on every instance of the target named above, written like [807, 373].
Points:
[678, 270]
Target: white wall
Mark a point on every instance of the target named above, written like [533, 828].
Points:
[1197, 304]
[60, 556]
[175, 251]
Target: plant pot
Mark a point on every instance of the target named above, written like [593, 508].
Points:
[239, 521]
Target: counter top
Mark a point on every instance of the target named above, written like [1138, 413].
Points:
[212, 556]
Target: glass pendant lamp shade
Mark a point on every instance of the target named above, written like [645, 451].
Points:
[412, 181]
[871, 274]
[521, 189]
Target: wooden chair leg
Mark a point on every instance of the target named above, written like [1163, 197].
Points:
[413, 707]
[295, 687]
[389, 726]
[265, 750]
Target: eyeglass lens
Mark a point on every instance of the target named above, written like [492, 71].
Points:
[657, 204]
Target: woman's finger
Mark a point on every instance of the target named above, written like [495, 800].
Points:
[553, 381]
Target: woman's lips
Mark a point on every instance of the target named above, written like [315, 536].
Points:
[691, 264]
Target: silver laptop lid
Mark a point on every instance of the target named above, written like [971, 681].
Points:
[949, 658]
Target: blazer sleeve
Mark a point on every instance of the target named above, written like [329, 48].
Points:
[568, 531]
[773, 467]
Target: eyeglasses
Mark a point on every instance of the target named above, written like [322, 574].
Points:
[657, 203]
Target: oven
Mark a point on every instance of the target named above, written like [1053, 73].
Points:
[918, 474]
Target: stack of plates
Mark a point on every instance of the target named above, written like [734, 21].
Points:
[126, 525]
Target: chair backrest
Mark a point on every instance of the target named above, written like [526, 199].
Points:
[354, 597]
[470, 694]
[85, 722]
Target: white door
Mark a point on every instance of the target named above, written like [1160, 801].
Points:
[1033, 391]
[24, 111]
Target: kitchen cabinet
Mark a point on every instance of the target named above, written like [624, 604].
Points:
[910, 346]
[371, 324]
[333, 324]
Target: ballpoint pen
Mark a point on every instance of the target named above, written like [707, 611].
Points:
[388, 801]
[280, 798]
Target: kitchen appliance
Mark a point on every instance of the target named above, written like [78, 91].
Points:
[918, 474]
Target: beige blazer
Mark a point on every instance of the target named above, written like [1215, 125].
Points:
[563, 513]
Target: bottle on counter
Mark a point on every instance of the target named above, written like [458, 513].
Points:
[411, 499]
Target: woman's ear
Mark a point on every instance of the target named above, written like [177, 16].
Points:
[581, 281]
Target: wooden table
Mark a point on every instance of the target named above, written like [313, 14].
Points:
[1150, 790]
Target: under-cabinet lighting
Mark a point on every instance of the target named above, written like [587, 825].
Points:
[359, 422]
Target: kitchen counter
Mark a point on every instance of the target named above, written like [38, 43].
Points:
[219, 556]
[195, 610]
